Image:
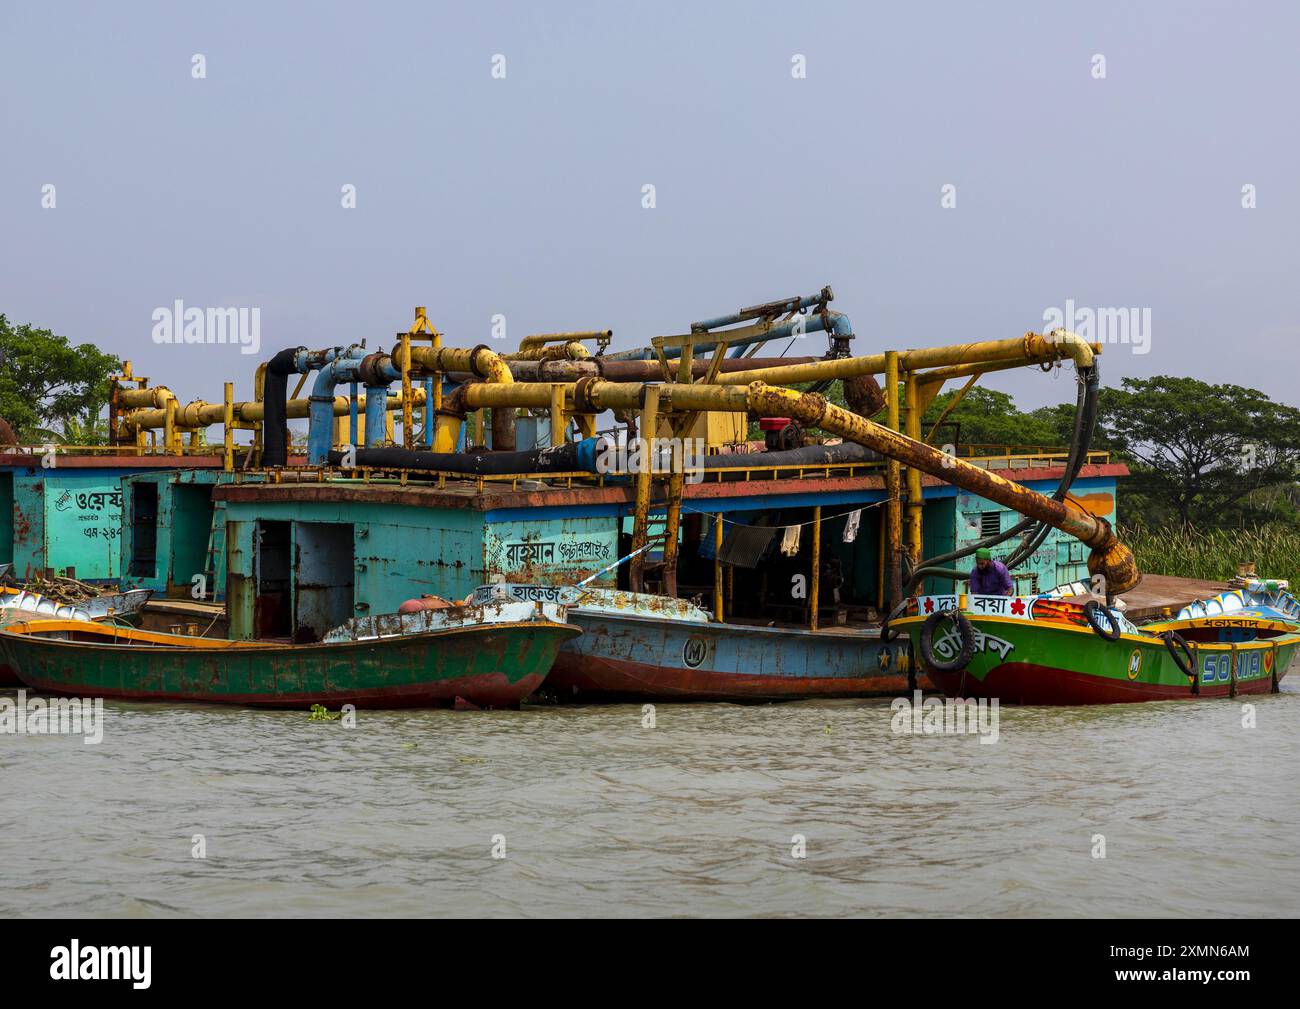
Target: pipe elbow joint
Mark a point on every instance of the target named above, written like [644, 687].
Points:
[374, 370]
[1067, 344]
[488, 365]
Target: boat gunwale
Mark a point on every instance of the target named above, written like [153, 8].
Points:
[182, 644]
[1292, 634]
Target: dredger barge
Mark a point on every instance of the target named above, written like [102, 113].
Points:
[629, 488]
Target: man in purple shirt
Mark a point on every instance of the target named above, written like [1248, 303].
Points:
[990, 577]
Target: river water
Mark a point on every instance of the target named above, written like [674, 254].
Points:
[596, 814]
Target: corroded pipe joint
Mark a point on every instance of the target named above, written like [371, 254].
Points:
[371, 370]
[453, 404]
[581, 396]
[478, 363]
[863, 395]
[1116, 565]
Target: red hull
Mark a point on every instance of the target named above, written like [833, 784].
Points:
[1030, 683]
[582, 677]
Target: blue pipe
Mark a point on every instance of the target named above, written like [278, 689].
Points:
[376, 414]
[320, 428]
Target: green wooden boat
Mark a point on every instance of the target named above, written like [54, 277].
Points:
[1041, 650]
[491, 655]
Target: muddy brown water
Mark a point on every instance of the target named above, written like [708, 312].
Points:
[699, 815]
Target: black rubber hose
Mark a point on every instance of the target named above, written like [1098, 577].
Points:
[275, 394]
[571, 457]
[1085, 419]
[809, 455]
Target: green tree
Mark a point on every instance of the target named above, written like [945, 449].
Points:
[989, 417]
[1202, 455]
[47, 382]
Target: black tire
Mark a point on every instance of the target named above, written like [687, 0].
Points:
[1181, 652]
[1091, 610]
[964, 631]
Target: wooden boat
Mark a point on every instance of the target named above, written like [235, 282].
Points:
[35, 604]
[19, 604]
[489, 655]
[1039, 650]
[641, 647]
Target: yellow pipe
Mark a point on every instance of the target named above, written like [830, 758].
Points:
[893, 483]
[572, 351]
[558, 424]
[912, 428]
[1030, 347]
[441, 360]
[228, 435]
[641, 518]
[1109, 557]
[203, 414]
[541, 339]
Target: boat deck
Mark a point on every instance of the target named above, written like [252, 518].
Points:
[1159, 592]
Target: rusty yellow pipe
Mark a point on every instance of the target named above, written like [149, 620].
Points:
[893, 483]
[672, 525]
[571, 351]
[440, 360]
[541, 339]
[134, 399]
[1109, 558]
[200, 413]
[228, 425]
[912, 428]
[641, 517]
[1028, 348]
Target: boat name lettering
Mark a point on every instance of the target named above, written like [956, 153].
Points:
[991, 604]
[1251, 664]
[949, 646]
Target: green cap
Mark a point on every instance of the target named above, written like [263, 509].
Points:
[983, 554]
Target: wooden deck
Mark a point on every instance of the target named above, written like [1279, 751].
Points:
[1158, 592]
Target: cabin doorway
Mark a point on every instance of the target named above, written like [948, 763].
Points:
[191, 537]
[324, 569]
[144, 530]
[271, 611]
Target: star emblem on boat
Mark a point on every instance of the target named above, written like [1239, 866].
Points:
[1018, 607]
[929, 606]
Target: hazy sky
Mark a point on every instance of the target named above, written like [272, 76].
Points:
[523, 196]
